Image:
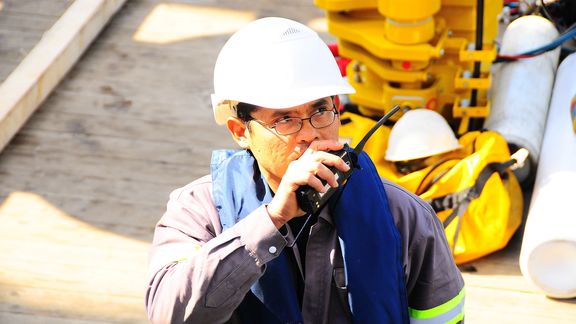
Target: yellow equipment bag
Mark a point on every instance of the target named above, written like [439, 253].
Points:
[472, 190]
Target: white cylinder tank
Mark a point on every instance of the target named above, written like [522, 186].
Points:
[548, 255]
[521, 90]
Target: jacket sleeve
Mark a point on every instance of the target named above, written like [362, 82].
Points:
[434, 285]
[197, 272]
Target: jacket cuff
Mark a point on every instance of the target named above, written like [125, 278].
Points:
[260, 237]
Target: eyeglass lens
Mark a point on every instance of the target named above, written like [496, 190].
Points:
[319, 119]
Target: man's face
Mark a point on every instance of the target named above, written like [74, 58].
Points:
[273, 151]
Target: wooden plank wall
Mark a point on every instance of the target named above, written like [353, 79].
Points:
[84, 181]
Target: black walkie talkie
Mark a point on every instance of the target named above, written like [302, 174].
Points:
[311, 200]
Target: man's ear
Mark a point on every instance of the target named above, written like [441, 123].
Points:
[238, 130]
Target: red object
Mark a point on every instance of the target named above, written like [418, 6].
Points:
[342, 64]
[406, 65]
[341, 61]
[334, 49]
[432, 104]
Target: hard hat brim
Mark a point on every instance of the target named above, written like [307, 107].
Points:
[223, 109]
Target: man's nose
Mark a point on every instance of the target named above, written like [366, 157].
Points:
[308, 132]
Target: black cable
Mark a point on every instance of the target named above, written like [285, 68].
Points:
[475, 123]
[308, 219]
[545, 12]
[315, 216]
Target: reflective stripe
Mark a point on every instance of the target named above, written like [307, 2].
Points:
[451, 311]
[196, 248]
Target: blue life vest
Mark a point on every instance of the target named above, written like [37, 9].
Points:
[370, 242]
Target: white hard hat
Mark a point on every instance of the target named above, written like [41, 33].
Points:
[274, 63]
[420, 133]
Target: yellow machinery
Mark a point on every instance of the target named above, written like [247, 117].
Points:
[418, 53]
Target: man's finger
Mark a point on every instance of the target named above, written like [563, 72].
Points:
[330, 159]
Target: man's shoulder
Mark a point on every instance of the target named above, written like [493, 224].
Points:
[190, 208]
[202, 185]
[414, 218]
[399, 197]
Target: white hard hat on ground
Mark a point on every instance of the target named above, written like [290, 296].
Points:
[420, 133]
[274, 63]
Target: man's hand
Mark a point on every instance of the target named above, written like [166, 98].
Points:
[310, 169]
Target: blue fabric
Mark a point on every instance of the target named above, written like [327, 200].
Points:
[238, 189]
[372, 249]
[370, 242]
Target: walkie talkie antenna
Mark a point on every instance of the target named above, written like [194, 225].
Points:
[382, 120]
[312, 201]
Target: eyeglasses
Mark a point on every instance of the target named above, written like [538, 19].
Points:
[291, 125]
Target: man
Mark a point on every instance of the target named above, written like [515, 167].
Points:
[235, 247]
